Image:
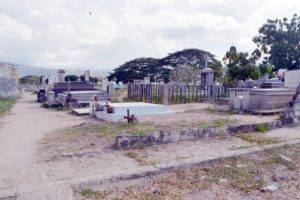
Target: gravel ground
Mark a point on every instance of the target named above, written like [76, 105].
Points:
[244, 177]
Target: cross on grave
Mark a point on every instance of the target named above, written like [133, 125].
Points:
[130, 118]
[108, 107]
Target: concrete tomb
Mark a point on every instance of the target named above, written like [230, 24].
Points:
[79, 92]
[207, 77]
[291, 78]
[116, 111]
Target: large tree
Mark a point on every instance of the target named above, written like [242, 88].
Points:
[279, 39]
[162, 68]
[241, 65]
[138, 69]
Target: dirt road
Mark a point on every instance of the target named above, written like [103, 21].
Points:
[19, 132]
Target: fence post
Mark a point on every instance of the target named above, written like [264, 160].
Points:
[166, 94]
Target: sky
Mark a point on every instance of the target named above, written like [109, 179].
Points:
[103, 34]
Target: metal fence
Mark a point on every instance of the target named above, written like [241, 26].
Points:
[176, 94]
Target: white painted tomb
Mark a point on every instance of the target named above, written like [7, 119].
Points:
[138, 109]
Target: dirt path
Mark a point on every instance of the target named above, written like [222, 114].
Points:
[24, 175]
[19, 131]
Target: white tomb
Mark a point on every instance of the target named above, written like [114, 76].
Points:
[138, 109]
[292, 78]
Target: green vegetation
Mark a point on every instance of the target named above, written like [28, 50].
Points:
[261, 128]
[89, 193]
[215, 124]
[110, 129]
[45, 105]
[5, 105]
[30, 79]
[141, 157]
[243, 174]
[141, 67]
[257, 139]
[279, 40]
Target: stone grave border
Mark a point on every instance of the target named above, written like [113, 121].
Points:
[188, 134]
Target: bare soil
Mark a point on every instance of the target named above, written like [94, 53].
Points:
[244, 177]
[205, 112]
[39, 161]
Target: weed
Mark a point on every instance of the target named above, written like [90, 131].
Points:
[257, 139]
[261, 128]
[6, 104]
[215, 124]
[45, 105]
[89, 193]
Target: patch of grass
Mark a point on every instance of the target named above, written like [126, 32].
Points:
[257, 139]
[45, 105]
[215, 124]
[141, 158]
[242, 147]
[112, 129]
[275, 160]
[241, 178]
[5, 105]
[89, 193]
[261, 128]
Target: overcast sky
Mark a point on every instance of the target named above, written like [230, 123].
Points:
[63, 33]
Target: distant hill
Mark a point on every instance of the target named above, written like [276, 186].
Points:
[26, 70]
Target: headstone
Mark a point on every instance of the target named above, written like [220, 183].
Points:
[110, 89]
[104, 83]
[147, 80]
[87, 75]
[9, 81]
[160, 81]
[61, 75]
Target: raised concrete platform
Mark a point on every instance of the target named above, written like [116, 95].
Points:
[267, 99]
[138, 109]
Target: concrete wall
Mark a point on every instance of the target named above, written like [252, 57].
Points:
[292, 78]
[189, 134]
[9, 81]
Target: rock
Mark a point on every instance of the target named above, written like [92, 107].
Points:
[241, 166]
[223, 180]
[285, 158]
[270, 188]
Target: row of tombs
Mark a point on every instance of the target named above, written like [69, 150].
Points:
[85, 98]
[74, 94]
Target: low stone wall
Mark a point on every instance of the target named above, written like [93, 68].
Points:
[190, 134]
[9, 81]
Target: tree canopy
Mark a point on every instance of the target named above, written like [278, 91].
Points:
[161, 68]
[279, 39]
[241, 65]
[31, 79]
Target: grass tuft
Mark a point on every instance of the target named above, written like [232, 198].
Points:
[5, 105]
[257, 139]
[261, 128]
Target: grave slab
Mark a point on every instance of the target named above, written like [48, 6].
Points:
[138, 109]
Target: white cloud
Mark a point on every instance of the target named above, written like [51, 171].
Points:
[10, 28]
[57, 33]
